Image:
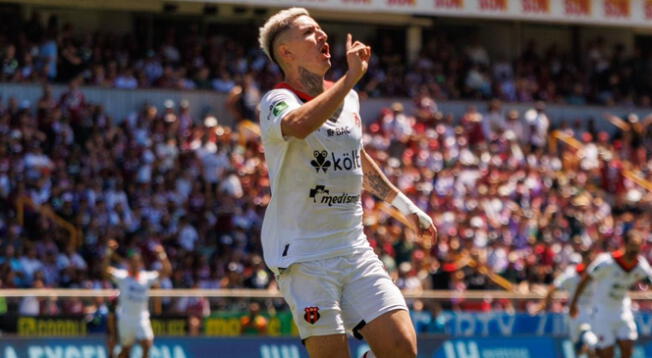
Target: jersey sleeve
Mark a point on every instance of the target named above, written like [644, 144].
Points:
[118, 275]
[562, 281]
[646, 270]
[599, 267]
[276, 104]
[151, 277]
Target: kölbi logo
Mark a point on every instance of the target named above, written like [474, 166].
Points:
[321, 195]
[345, 161]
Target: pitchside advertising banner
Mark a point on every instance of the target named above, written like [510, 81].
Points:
[283, 347]
[454, 324]
[602, 12]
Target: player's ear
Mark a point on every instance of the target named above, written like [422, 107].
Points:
[284, 53]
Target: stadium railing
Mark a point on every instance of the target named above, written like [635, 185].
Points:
[46, 211]
[255, 293]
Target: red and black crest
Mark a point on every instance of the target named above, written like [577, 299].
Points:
[312, 314]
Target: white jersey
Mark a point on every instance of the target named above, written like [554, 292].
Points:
[613, 278]
[134, 293]
[569, 280]
[315, 211]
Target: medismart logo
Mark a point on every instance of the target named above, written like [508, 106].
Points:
[320, 195]
[339, 162]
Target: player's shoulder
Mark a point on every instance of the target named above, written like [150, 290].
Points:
[354, 94]
[278, 93]
[151, 274]
[604, 257]
[120, 273]
[601, 261]
[643, 262]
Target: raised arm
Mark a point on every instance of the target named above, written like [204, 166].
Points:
[578, 293]
[310, 116]
[622, 125]
[375, 182]
[166, 270]
[107, 269]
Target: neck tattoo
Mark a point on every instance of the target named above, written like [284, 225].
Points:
[312, 83]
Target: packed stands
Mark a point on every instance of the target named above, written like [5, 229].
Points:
[210, 59]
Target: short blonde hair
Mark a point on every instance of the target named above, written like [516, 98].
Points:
[276, 24]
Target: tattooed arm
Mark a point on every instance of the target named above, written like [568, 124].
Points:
[375, 182]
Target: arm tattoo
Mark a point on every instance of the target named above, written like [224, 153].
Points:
[314, 84]
[374, 181]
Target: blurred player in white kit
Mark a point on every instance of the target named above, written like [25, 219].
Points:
[612, 274]
[312, 233]
[132, 311]
[581, 335]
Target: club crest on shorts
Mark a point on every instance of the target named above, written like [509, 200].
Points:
[312, 314]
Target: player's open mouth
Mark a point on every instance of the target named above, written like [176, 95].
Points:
[325, 50]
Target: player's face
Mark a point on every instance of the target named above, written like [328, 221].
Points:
[308, 46]
[135, 263]
[633, 247]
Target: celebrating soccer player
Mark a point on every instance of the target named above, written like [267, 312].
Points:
[132, 311]
[312, 233]
[612, 275]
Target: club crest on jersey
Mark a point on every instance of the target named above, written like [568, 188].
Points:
[311, 314]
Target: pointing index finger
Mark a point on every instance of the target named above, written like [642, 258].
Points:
[348, 41]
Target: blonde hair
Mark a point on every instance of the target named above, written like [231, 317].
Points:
[276, 24]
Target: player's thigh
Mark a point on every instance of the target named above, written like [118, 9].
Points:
[313, 295]
[391, 335]
[627, 328]
[126, 332]
[369, 291]
[605, 328]
[329, 346]
[144, 331]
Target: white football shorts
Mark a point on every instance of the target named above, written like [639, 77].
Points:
[340, 294]
[132, 330]
[613, 325]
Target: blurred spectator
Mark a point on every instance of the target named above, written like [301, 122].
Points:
[254, 322]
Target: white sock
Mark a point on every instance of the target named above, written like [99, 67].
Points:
[369, 354]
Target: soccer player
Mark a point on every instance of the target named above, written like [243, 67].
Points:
[580, 327]
[612, 275]
[312, 233]
[132, 311]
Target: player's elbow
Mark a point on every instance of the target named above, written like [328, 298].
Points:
[296, 125]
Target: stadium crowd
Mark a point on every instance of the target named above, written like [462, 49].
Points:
[209, 59]
[502, 193]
